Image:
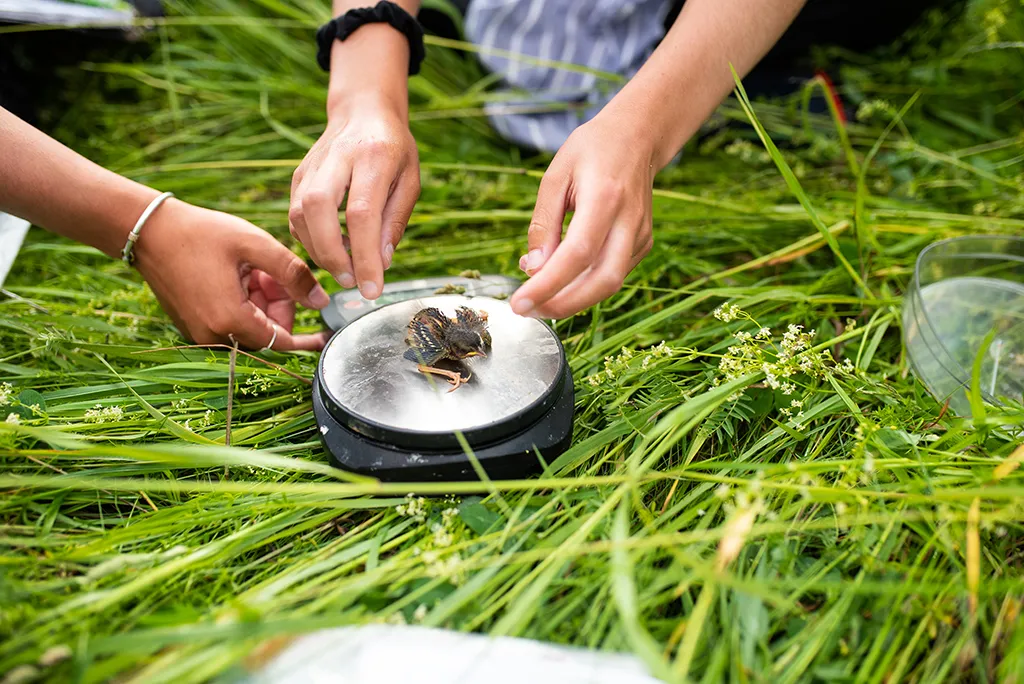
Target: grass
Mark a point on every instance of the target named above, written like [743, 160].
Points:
[700, 520]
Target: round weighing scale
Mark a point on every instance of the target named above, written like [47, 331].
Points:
[379, 416]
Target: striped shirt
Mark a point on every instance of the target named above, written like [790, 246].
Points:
[615, 36]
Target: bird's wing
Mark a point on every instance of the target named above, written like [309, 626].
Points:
[424, 336]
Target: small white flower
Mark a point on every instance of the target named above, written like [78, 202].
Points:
[869, 462]
[420, 614]
[110, 414]
[727, 313]
[5, 392]
[788, 388]
[763, 334]
[13, 419]
[796, 403]
[722, 491]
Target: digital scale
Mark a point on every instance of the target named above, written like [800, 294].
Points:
[379, 416]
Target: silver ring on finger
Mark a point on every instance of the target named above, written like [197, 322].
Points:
[273, 339]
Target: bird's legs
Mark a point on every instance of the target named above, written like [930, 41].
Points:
[454, 379]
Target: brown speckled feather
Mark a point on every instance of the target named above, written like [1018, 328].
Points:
[425, 336]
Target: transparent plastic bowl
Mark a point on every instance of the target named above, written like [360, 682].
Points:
[963, 289]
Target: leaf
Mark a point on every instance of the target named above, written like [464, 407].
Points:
[977, 401]
[31, 405]
[478, 517]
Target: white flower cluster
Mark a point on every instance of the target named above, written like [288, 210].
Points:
[256, 384]
[200, 422]
[758, 353]
[868, 109]
[788, 412]
[12, 419]
[99, 414]
[437, 556]
[747, 151]
[615, 366]
[727, 313]
[6, 390]
[415, 507]
[449, 567]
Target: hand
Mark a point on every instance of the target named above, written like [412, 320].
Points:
[605, 174]
[367, 150]
[219, 277]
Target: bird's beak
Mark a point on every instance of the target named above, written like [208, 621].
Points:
[475, 353]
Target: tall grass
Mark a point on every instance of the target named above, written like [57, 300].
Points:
[701, 519]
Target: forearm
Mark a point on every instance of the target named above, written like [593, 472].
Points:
[688, 75]
[372, 63]
[59, 190]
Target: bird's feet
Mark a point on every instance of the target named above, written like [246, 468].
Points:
[454, 379]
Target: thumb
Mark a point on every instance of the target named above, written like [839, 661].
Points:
[546, 223]
[262, 251]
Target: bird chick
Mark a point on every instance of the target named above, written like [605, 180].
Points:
[432, 337]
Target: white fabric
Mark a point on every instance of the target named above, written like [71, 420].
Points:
[383, 654]
[12, 234]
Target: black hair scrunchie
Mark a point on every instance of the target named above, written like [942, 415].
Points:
[383, 13]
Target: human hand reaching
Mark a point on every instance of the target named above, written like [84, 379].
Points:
[368, 152]
[605, 175]
[219, 277]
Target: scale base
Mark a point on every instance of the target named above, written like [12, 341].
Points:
[512, 458]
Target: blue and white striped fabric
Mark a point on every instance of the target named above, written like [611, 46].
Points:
[615, 36]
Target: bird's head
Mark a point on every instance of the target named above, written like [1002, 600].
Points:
[465, 342]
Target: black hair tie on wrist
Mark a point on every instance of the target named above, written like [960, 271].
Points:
[383, 13]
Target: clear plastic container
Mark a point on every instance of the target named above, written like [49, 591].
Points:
[963, 289]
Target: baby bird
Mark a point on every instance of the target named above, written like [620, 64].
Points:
[433, 337]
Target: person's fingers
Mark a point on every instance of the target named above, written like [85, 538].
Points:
[545, 231]
[372, 177]
[320, 201]
[643, 246]
[252, 329]
[397, 212]
[273, 299]
[584, 239]
[604, 278]
[263, 252]
[307, 342]
[296, 220]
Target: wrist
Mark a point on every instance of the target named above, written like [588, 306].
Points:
[356, 103]
[625, 120]
[157, 238]
[123, 203]
[371, 64]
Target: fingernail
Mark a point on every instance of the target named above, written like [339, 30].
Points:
[522, 263]
[318, 297]
[370, 290]
[523, 307]
[534, 260]
[346, 280]
[389, 253]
